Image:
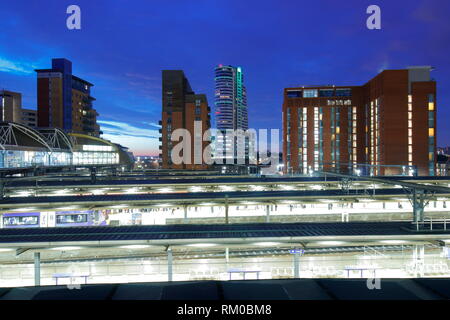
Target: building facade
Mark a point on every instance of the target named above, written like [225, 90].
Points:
[230, 111]
[64, 100]
[385, 127]
[10, 106]
[182, 108]
[29, 117]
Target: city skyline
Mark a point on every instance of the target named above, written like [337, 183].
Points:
[275, 53]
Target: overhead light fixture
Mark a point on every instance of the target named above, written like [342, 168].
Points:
[119, 206]
[163, 205]
[331, 243]
[196, 189]
[24, 209]
[66, 248]
[62, 191]
[67, 208]
[202, 245]
[393, 241]
[5, 249]
[131, 190]
[23, 193]
[135, 246]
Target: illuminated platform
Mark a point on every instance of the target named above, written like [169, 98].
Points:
[293, 233]
[221, 252]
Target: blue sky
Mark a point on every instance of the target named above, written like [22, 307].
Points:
[123, 46]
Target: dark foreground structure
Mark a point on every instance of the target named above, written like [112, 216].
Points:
[299, 289]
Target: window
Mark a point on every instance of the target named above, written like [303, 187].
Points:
[294, 94]
[310, 93]
[326, 92]
[71, 218]
[344, 92]
[21, 220]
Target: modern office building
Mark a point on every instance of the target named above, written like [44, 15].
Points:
[387, 126]
[64, 100]
[10, 106]
[182, 108]
[231, 111]
[29, 117]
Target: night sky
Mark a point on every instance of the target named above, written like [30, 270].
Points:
[123, 46]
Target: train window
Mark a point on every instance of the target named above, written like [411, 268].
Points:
[20, 221]
[71, 218]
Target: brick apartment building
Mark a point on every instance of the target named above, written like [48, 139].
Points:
[384, 127]
[64, 100]
[182, 108]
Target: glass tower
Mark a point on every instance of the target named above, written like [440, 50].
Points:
[231, 108]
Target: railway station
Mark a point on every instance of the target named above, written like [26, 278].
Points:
[71, 229]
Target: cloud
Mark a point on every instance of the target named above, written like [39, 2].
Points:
[15, 67]
[152, 124]
[117, 128]
[140, 141]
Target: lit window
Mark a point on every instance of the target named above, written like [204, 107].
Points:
[310, 93]
[431, 132]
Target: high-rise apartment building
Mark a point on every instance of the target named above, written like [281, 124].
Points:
[387, 126]
[64, 100]
[182, 108]
[231, 111]
[10, 106]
